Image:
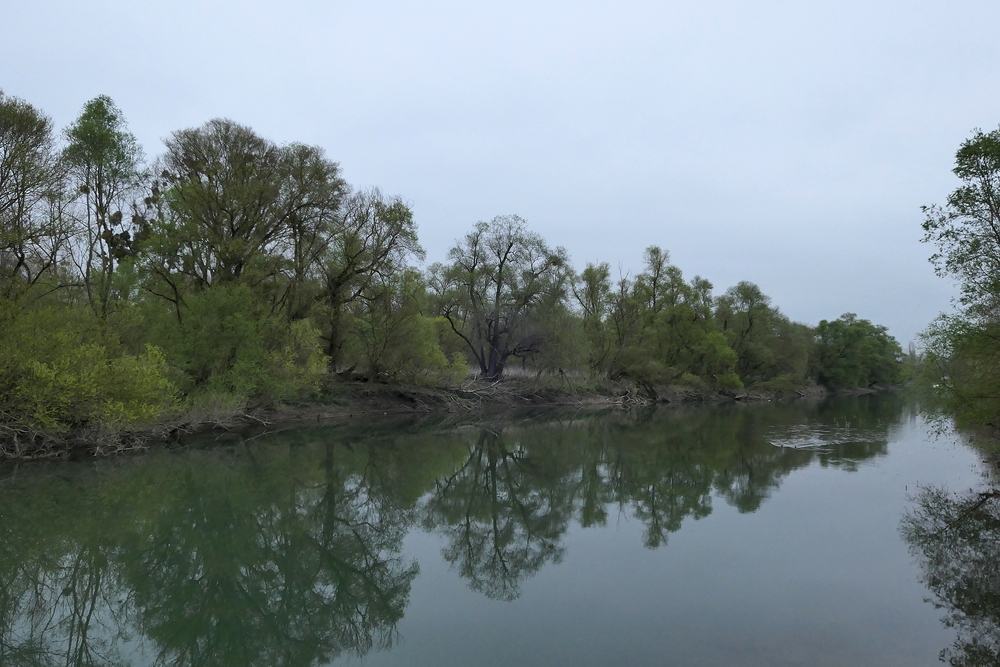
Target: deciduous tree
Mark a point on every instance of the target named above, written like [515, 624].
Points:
[498, 274]
[105, 164]
[31, 233]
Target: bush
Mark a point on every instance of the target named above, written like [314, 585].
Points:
[226, 344]
[59, 374]
[409, 350]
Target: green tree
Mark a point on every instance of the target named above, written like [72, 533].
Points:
[373, 239]
[498, 275]
[961, 347]
[105, 164]
[391, 338]
[856, 353]
[771, 350]
[32, 236]
[966, 230]
[745, 314]
[592, 292]
[238, 209]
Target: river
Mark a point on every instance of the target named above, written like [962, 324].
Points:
[770, 534]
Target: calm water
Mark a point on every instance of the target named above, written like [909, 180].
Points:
[735, 535]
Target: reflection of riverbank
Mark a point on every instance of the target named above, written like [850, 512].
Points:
[286, 549]
[955, 536]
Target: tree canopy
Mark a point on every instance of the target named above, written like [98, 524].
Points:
[231, 271]
[961, 346]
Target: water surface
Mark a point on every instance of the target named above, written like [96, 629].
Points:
[750, 535]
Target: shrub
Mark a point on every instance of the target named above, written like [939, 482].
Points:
[58, 374]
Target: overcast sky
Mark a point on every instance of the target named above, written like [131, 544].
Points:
[786, 143]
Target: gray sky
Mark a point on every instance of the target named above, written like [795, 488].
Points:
[786, 143]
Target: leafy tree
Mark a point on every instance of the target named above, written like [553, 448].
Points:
[966, 230]
[745, 314]
[374, 238]
[232, 351]
[31, 233]
[654, 329]
[961, 347]
[592, 292]
[238, 209]
[105, 163]
[499, 275]
[391, 337]
[624, 321]
[856, 353]
[60, 371]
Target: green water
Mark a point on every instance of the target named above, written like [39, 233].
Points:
[735, 535]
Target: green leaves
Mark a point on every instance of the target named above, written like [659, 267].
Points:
[62, 376]
[499, 274]
[962, 347]
[966, 230]
[856, 353]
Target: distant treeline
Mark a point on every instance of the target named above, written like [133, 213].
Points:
[232, 271]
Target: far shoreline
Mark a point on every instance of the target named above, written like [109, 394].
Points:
[350, 401]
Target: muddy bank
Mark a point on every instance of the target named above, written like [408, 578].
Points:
[347, 401]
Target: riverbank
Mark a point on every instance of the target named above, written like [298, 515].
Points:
[342, 400]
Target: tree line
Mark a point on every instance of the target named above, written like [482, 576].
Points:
[231, 271]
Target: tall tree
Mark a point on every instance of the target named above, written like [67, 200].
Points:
[498, 274]
[745, 314]
[105, 163]
[962, 346]
[374, 237]
[235, 208]
[31, 237]
[592, 291]
[966, 230]
[851, 352]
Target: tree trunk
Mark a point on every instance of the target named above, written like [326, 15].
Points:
[333, 340]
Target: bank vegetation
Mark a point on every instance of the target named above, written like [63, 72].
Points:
[230, 275]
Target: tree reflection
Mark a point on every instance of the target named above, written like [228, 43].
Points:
[288, 552]
[214, 563]
[956, 538]
[503, 515]
[504, 511]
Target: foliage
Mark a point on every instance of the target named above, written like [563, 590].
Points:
[234, 208]
[966, 231]
[227, 344]
[104, 162]
[960, 370]
[58, 373]
[961, 347]
[31, 237]
[499, 273]
[392, 340]
[372, 242]
[243, 272]
[856, 353]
